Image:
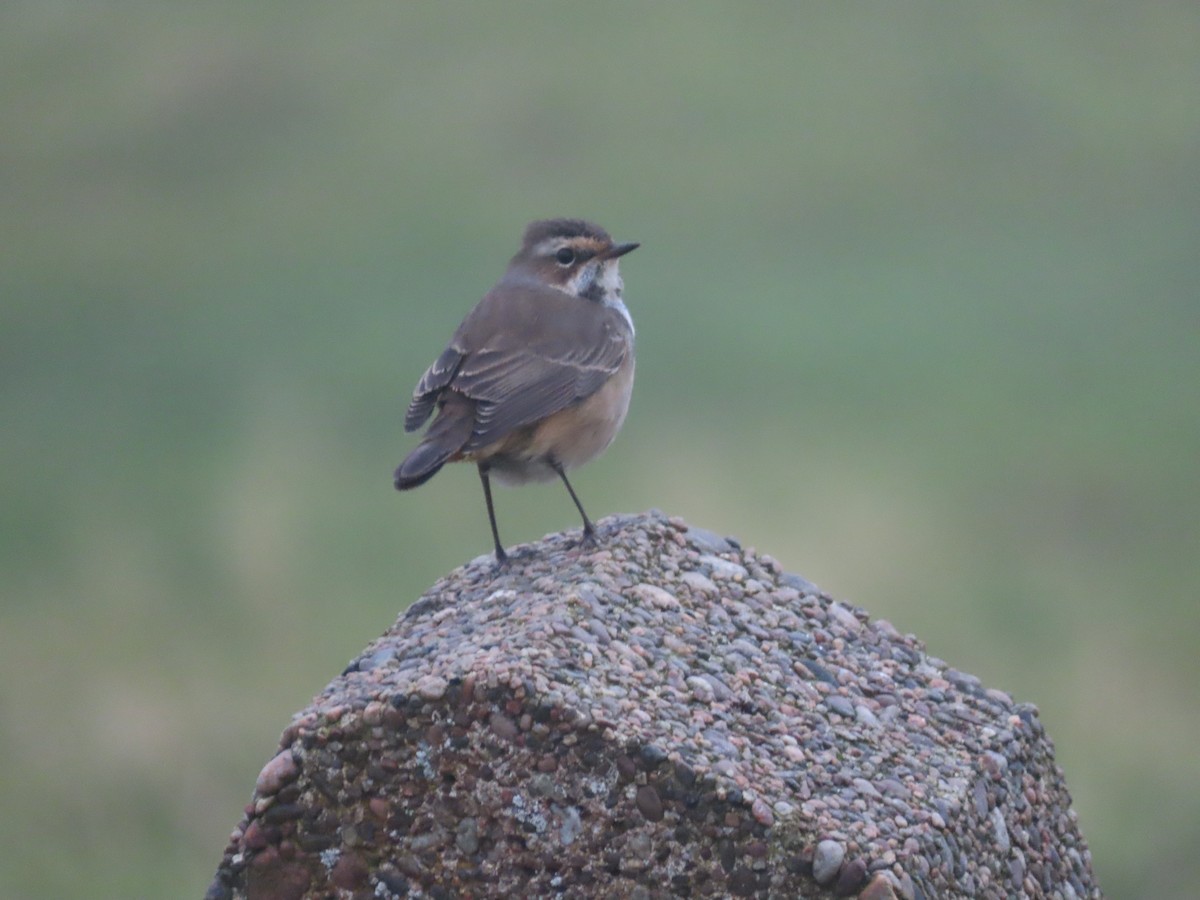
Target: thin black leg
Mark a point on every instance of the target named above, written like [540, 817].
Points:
[501, 556]
[589, 530]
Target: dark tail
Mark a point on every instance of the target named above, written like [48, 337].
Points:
[446, 436]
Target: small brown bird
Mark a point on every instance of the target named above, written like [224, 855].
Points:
[537, 378]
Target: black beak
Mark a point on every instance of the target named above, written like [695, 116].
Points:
[618, 250]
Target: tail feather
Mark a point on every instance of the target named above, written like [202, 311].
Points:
[446, 436]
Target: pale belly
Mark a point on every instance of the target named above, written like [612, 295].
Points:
[572, 437]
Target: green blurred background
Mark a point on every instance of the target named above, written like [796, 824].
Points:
[918, 312]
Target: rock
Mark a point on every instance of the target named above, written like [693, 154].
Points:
[275, 774]
[723, 569]
[994, 764]
[467, 836]
[762, 812]
[664, 713]
[843, 616]
[865, 716]
[697, 581]
[431, 687]
[851, 877]
[707, 541]
[654, 595]
[865, 788]
[879, 888]
[841, 705]
[827, 861]
[1000, 828]
[799, 583]
[649, 804]
[502, 726]
[702, 690]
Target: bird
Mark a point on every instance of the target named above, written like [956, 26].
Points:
[537, 379]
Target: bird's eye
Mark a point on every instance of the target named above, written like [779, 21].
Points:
[565, 256]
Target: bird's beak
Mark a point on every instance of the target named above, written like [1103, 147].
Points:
[618, 250]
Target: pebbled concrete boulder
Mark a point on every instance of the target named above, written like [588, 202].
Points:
[666, 715]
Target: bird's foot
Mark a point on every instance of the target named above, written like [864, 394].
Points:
[504, 558]
[589, 540]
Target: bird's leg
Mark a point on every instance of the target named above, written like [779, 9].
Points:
[501, 556]
[589, 530]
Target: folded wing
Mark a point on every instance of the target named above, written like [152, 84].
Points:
[524, 353]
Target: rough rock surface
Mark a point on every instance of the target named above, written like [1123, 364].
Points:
[667, 715]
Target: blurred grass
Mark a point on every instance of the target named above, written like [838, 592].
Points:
[917, 313]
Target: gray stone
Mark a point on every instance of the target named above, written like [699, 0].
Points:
[841, 705]
[467, 836]
[431, 687]
[724, 569]
[1000, 827]
[827, 861]
[707, 541]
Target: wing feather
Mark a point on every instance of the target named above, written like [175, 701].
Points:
[524, 353]
[429, 389]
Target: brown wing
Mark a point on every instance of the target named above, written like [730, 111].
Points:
[524, 353]
[429, 388]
